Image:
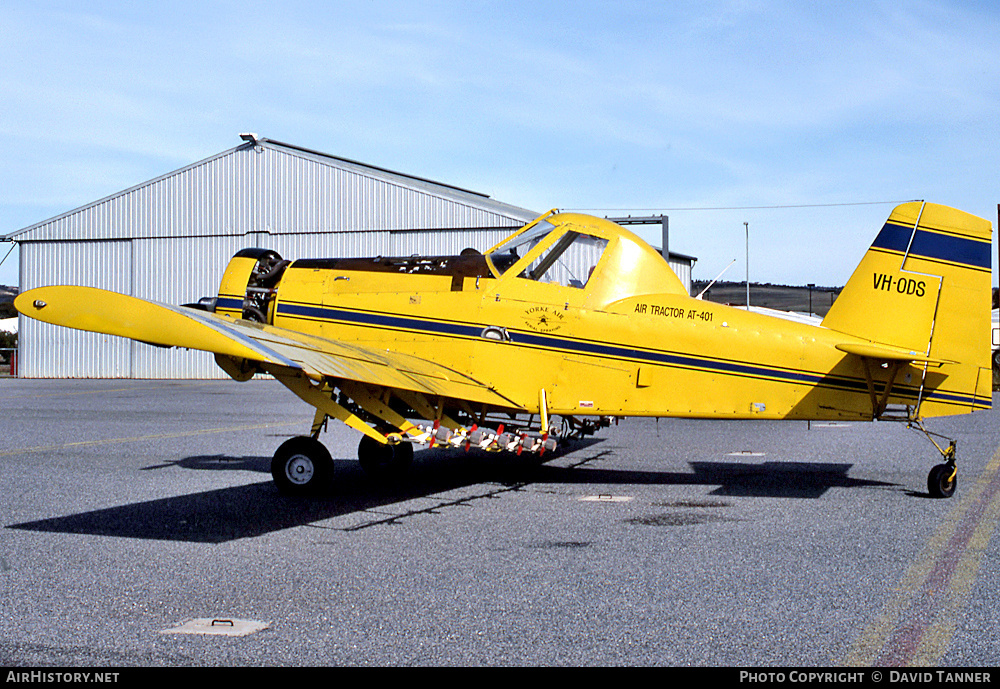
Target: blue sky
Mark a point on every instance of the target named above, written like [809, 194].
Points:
[620, 107]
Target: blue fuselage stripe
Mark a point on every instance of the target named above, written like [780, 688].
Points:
[378, 319]
[228, 303]
[598, 349]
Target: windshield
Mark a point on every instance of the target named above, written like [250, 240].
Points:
[510, 252]
[569, 262]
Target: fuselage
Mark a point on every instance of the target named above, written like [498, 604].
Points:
[620, 337]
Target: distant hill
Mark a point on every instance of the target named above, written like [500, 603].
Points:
[781, 297]
[7, 295]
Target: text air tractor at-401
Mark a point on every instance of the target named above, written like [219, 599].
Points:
[569, 322]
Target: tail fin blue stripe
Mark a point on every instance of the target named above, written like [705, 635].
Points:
[932, 245]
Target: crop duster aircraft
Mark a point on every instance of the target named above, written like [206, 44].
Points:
[569, 322]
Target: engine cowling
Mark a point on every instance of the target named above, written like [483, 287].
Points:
[249, 285]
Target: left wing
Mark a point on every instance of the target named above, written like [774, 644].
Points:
[111, 313]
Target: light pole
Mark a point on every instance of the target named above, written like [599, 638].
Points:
[746, 226]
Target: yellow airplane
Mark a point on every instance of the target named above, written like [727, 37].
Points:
[569, 322]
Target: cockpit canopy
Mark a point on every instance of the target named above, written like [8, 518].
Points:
[568, 261]
[579, 251]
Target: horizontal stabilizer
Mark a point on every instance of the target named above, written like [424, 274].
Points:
[873, 351]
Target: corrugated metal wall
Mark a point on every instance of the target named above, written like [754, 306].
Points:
[683, 271]
[444, 242]
[178, 271]
[48, 351]
[169, 240]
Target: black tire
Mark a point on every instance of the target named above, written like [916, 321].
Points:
[384, 461]
[302, 466]
[938, 483]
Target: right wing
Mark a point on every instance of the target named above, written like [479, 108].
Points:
[111, 313]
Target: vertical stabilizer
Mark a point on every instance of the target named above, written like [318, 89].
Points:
[924, 285]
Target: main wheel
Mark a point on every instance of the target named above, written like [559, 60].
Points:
[384, 461]
[302, 465]
[942, 481]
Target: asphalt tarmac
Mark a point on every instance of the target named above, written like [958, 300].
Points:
[132, 507]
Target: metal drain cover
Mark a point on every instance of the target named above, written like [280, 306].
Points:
[220, 626]
[606, 498]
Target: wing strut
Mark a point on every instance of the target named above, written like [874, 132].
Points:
[362, 395]
[298, 383]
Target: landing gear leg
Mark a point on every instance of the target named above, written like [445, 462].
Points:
[943, 478]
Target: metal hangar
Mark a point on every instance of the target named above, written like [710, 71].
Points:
[169, 240]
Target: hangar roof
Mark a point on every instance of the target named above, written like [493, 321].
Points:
[271, 186]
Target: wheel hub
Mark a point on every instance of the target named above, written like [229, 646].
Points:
[299, 469]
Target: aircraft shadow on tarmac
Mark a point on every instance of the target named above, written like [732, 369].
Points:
[226, 514]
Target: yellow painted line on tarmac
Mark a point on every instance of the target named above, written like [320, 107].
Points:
[103, 391]
[140, 438]
[937, 638]
[917, 625]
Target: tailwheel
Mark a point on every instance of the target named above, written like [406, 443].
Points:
[942, 480]
[384, 461]
[301, 466]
